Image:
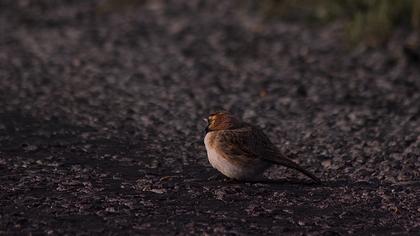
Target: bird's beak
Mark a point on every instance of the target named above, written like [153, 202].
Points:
[207, 127]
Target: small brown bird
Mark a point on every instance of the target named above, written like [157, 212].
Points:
[242, 151]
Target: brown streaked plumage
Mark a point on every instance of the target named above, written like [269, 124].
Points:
[242, 151]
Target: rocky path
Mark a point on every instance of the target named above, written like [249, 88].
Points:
[101, 131]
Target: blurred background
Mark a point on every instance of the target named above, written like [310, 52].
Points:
[102, 100]
[371, 22]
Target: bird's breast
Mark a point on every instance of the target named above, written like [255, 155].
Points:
[215, 158]
[224, 163]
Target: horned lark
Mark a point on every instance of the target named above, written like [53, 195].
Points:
[242, 151]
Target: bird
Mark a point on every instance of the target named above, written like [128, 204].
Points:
[242, 151]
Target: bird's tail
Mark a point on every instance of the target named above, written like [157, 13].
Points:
[289, 163]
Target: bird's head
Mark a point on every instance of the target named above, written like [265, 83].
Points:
[222, 121]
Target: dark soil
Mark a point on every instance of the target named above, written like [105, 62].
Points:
[101, 125]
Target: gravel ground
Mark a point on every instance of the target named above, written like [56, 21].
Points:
[101, 122]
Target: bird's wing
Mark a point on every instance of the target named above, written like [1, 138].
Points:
[252, 143]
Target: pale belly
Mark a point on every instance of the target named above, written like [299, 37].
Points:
[231, 169]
